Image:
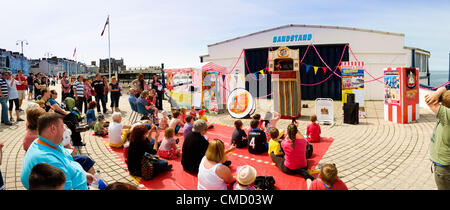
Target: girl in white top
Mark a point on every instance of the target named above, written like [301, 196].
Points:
[212, 174]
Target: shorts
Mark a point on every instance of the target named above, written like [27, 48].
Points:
[21, 94]
[84, 161]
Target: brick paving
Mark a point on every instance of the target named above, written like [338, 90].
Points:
[373, 155]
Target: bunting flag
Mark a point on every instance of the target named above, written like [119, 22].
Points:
[315, 69]
[307, 67]
[324, 70]
[262, 72]
[104, 27]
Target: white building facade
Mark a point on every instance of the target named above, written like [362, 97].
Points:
[378, 50]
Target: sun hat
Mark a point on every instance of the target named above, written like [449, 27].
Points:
[246, 175]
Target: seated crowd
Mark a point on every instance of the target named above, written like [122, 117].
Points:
[50, 161]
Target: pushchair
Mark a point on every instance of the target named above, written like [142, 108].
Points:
[73, 120]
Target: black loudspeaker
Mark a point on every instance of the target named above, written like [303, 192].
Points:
[192, 88]
[351, 98]
[351, 113]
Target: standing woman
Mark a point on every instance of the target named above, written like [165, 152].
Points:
[106, 90]
[115, 94]
[157, 85]
[139, 83]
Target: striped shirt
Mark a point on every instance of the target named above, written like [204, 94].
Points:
[79, 87]
[4, 87]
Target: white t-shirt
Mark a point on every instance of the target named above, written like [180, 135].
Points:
[114, 133]
[208, 179]
[13, 94]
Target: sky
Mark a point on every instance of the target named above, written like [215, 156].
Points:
[176, 32]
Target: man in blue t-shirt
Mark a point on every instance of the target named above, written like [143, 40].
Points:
[47, 148]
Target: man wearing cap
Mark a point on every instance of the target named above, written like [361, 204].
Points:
[194, 147]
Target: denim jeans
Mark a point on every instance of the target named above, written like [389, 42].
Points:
[3, 101]
[102, 99]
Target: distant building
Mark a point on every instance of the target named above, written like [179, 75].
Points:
[14, 61]
[54, 65]
[116, 66]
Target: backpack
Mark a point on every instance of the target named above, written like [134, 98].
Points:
[264, 183]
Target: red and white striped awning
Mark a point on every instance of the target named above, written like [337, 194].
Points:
[357, 64]
[214, 67]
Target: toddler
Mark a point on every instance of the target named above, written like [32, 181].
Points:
[245, 177]
[164, 122]
[168, 148]
[313, 130]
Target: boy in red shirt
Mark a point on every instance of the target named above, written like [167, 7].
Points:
[313, 130]
[328, 179]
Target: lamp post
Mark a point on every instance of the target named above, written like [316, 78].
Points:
[21, 43]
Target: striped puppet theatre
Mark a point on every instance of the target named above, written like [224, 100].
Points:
[401, 96]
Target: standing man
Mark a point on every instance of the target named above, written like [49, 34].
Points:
[4, 98]
[21, 87]
[65, 85]
[139, 84]
[79, 92]
[38, 85]
[157, 85]
[99, 88]
[439, 103]
[30, 79]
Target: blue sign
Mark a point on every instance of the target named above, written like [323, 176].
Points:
[292, 38]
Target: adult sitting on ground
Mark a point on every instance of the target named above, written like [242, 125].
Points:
[115, 130]
[139, 145]
[194, 147]
[440, 140]
[294, 159]
[48, 149]
[212, 174]
[32, 115]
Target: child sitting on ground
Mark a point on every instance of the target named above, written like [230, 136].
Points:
[202, 116]
[168, 148]
[275, 143]
[99, 127]
[188, 125]
[313, 130]
[164, 122]
[328, 179]
[183, 114]
[90, 114]
[257, 141]
[270, 121]
[44, 176]
[258, 117]
[115, 130]
[245, 177]
[239, 137]
[176, 123]
[193, 113]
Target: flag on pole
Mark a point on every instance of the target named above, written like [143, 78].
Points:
[104, 27]
[74, 51]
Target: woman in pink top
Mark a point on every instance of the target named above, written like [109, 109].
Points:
[294, 159]
[33, 115]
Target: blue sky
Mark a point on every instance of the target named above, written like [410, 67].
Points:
[177, 32]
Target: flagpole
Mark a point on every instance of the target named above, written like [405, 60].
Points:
[109, 49]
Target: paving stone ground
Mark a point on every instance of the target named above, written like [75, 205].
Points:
[373, 155]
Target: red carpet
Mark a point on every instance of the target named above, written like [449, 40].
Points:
[178, 179]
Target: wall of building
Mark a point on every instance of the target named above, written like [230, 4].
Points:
[378, 50]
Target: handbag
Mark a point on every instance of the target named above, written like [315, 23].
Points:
[264, 183]
[147, 168]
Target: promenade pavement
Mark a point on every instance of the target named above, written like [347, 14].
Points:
[372, 155]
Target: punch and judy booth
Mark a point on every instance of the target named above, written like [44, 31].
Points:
[284, 65]
[401, 96]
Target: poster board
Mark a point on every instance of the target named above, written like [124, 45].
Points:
[240, 103]
[353, 82]
[325, 110]
[210, 91]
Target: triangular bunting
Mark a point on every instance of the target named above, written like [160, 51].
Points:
[307, 67]
[324, 70]
[262, 72]
[315, 69]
